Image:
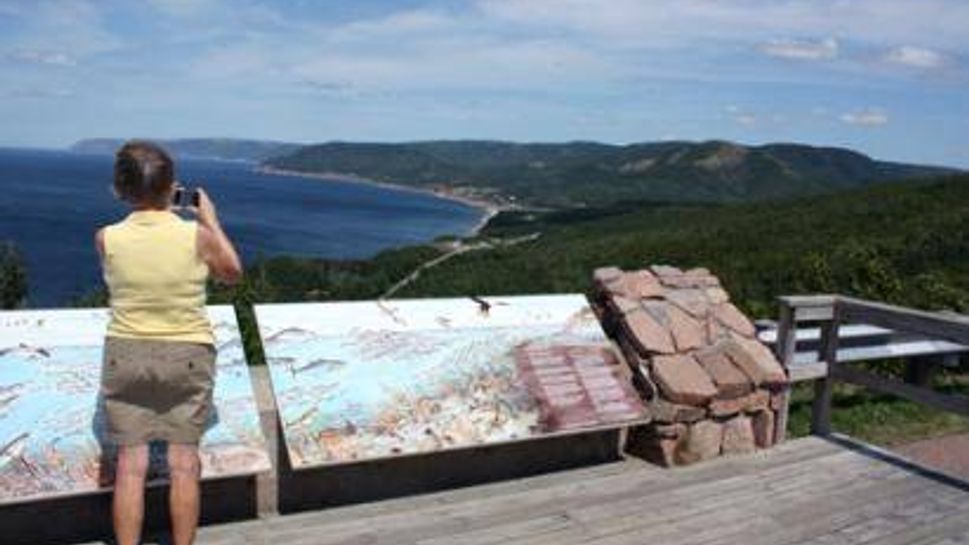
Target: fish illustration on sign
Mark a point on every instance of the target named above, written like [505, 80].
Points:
[51, 425]
[421, 376]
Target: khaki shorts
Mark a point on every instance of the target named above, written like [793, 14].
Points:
[156, 390]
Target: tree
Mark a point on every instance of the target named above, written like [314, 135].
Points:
[13, 277]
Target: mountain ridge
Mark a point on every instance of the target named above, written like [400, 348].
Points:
[591, 173]
[227, 149]
[567, 174]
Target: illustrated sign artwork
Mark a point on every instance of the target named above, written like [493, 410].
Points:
[52, 439]
[367, 380]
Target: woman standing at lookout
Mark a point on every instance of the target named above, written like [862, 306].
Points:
[159, 355]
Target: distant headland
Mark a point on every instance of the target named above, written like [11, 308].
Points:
[507, 175]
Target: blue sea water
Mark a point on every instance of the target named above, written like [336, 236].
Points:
[52, 202]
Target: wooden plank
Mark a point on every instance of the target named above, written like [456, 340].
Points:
[947, 402]
[823, 387]
[907, 526]
[716, 511]
[948, 326]
[813, 314]
[708, 499]
[784, 350]
[490, 511]
[794, 492]
[886, 351]
[811, 371]
[808, 301]
[818, 516]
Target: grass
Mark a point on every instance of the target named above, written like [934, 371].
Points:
[881, 419]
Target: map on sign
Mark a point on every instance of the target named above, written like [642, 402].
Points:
[51, 428]
[368, 380]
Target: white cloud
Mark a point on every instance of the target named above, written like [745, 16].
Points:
[38, 93]
[53, 58]
[747, 120]
[812, 50]
[935, 23]
[918, 57]
[459, 62]
[401, 23]
[59, 31]
[870, 117]
[183, 8]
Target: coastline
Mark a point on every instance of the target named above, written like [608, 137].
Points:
[489, 209]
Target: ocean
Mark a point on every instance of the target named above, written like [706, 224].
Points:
[53, 202]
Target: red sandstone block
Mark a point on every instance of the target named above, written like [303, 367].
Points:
[688, 333]
[756, 361]
[749, 403]
[701, 442]
[665, 270]
[690, 280]
[663, 411]
[623, 305]
[738, 436]
[693, 301]
[763, 426]
[757, 401]
[731, 317]
[606, 275]
[641, 285]
[646, 335]
[779, 398]
[716, 295]
[731, 382]
[715, 331]
[681, 379]
[656, 443]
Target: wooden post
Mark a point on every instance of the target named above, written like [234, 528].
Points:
[919, 370]
[824, 387]
[784, 349]
[267, 484]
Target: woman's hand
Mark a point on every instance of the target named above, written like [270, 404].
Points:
[214, 247]
[205, 211]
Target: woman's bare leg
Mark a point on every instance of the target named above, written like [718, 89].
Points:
[128, 507]
[183, 462]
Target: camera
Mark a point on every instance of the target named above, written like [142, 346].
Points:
[183, 197]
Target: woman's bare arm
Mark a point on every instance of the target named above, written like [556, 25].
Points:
[214, 247]
[99, 243]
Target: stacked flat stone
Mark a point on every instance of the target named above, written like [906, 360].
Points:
[712, 387]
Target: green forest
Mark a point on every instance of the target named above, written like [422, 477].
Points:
[905, 243]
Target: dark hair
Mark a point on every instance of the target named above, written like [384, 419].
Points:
[143, 173]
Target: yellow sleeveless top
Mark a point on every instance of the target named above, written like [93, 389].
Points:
[156, 279]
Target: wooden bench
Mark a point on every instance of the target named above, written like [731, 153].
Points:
[847, 330]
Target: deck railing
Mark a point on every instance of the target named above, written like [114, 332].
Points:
[873, 330]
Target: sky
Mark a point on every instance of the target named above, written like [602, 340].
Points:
[885, 77]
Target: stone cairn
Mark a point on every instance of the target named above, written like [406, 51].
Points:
[712, 388]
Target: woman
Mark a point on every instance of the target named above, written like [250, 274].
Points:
[159, 355]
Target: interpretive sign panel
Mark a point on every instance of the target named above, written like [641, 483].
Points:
[368, 380]
[52, 439]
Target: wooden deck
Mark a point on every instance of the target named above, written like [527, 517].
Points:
[808, 490]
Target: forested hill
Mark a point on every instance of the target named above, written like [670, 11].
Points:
[200, 148]
[589, 173]
[902, 243]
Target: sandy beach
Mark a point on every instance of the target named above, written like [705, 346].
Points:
[489, 209]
